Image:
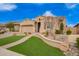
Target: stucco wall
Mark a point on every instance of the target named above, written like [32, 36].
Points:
[64, 46]
[72, 38]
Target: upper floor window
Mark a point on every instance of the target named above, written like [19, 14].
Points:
[49, 25]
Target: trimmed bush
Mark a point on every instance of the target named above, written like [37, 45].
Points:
[57, 32]
[2, 32]
[77, 42]
[25, 33]
[68, 32]
[45, 33]
[10, 26]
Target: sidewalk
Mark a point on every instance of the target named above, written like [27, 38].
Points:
[5, 52]
[7, 34]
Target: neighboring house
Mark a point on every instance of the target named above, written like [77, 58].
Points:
[41, 24]
[16, 27]
[76, 29]
[2, 27]
[71, 29]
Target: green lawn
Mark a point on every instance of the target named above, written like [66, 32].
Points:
[10, 39]
[36, 47]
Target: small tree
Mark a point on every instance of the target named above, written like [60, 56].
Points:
[10, 26]
[68, 32]
[77, 42]
[57, 32]
[61, 28]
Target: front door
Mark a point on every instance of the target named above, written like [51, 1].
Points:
[37, 26]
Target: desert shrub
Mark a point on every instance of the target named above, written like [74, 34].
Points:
[2, 32]
[10, 26]
[29, 33]
[25, 33]
[68, 32]
[77, 42]
[45, 33]
[57, 32]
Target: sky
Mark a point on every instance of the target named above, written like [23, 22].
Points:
[17, 12]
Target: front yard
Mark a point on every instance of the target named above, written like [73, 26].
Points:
[10, 39]
[34, 46]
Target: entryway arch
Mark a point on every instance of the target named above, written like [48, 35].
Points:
[37, 26]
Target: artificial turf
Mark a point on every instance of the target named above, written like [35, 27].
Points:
[34, 46]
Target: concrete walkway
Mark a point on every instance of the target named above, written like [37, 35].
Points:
[35, 34]
[5, 52]
[25, 38]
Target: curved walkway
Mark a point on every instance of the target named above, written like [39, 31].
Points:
[58, 44]
[5, 52]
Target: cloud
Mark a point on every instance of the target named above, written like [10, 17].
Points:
[7, 7]
[48, 13]
[71, 5]
[71, 25]
[33, 18]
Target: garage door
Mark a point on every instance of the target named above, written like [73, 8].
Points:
[27, 29]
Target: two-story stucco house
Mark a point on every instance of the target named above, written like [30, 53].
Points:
[41, 24]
